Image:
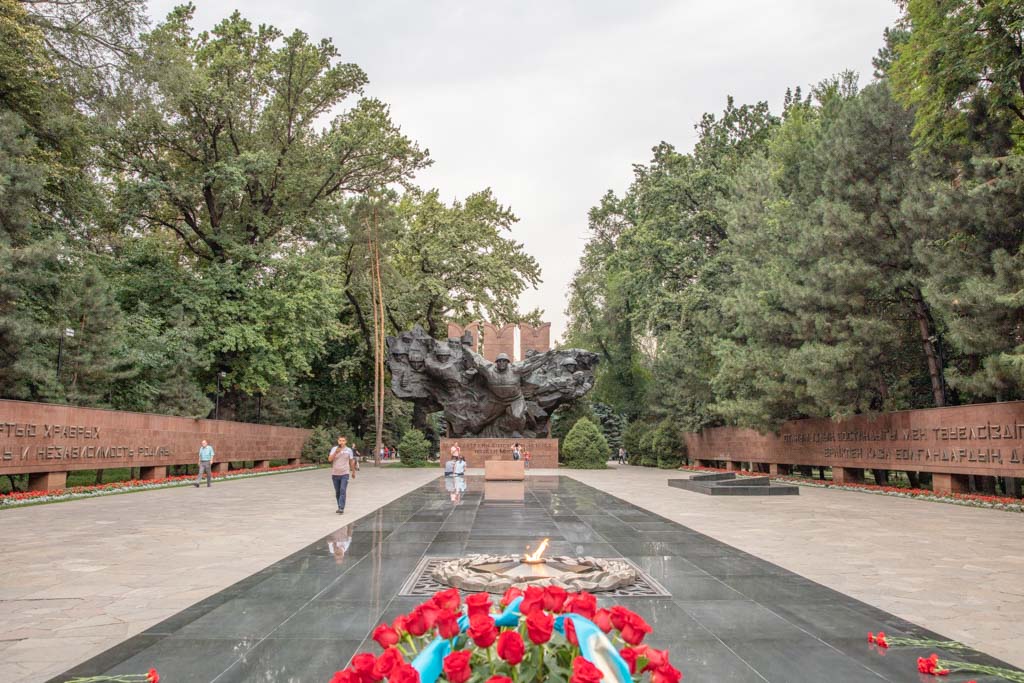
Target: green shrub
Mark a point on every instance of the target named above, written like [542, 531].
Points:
[585, 447]
[634, 440]
[414, 448]
[318, 445]
[667, 446]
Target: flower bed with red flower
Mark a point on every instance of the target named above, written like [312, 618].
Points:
[532, 635]
[968, 499]
[17, 498]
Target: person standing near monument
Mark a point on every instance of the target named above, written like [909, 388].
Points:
[341, 459]
[517, 452]
[455, 450]
[460, 466]
[205, 463]
[622, 455]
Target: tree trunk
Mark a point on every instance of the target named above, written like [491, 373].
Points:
[99, 477]
[925, 325]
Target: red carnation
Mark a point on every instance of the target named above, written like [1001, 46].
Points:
[152, 676]
[386, 663]
[583, 604]
[511, 647]
[478, 603]
[482, 630]
[506, 599]
[871, 637]
[554, 598]
[447, 624]
[880, 640]
[585, 672]
[539, 625]
[456, 666]
[363, 664]
[533, 600]
[404, 673]
[386, 636]
[447, 599]
[603, 619]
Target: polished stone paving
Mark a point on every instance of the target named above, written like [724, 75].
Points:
[731, 616]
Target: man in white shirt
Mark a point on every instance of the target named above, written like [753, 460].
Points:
[341, 459]
[460, 466]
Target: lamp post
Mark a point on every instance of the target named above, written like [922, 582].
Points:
[216, 410]
[68, 332]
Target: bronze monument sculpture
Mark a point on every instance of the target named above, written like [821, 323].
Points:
[484, 399]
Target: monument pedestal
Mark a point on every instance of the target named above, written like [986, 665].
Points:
[477, 452]
[504, 470]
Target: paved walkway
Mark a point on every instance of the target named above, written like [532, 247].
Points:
[81, 576]
[955, 570]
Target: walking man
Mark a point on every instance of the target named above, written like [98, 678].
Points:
[205, 463]
[341, 459]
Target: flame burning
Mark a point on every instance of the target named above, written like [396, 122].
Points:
[535, 557]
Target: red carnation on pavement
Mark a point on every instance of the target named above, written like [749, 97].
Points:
[539, 625]
[511, 647]
[880, 640]
[533, 600]
[386, 636]
[447, 624]
[603, 619]
[386, 663]
[584, 672]
[404, 673]
[456, 666]
[583, 604]
[554, 598]
[478, 603]
[871, 637]
[506, 599]
[152, 676]
[447, 599]
[482, 630]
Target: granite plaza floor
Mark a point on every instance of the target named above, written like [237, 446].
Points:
[731, 616]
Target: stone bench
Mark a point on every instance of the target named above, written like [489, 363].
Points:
[504, 470]
[727, 484]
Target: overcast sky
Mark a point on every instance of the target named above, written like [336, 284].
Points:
[550, 103]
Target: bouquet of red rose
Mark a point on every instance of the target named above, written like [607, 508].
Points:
[536, 634]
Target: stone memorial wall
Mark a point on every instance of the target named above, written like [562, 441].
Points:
[47, 441]
[952, 443]
[543, 452]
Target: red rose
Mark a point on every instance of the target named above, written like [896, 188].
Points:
[511, 647]
[603, 619]
[448, 599]
[447, 624]
[482, 630]
[404, 673]
[456, 666]
[632, 626]
[630, 655]
[421, 619]
[386, 636]
[506, 599]
[346, 676]
[533, 600]
[655, 658]
[585, 672]
[363, 664]
[539, 625]
[386, 663]
[502, 679]
[554, 598]
[570, 632]
[583, 604]
[400, 624]
[666, 674]
[478, 603]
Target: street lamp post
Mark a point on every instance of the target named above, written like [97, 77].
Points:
[68, 332]
[216, 410]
